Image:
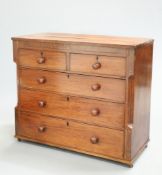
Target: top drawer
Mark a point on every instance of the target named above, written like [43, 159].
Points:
[93, 64]
[45, 59]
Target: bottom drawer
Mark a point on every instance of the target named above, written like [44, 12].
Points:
[69, 134]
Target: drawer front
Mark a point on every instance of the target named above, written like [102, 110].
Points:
[115, 66]
[81, 109]
[71, 134]
[45, 59]
[108, 88]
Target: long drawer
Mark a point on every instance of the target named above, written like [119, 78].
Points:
[90, 86]
[71, 134]
[76, 108]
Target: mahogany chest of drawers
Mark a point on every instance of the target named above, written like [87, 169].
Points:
[85, 93]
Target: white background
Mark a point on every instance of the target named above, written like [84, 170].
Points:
[107, 17]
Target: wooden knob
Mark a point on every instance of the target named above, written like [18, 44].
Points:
[42, 104]
[94, 140]
[95, 87]
[41, 60]
[96, 65]
[42, 129]
[41, 80]
[95, 112]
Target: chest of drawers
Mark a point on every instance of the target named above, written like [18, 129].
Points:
[89, 94]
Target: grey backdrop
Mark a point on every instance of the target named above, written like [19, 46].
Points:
[107, 17]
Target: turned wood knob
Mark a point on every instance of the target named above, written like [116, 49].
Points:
[96, 65]
[95, 112]
[41, 60]
[42, 104]
[42, 129]
[41, 80]
[94, 140]
[95, 87]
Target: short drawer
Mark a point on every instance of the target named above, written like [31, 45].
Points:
[76, 108]
[91, 86]
[93, 64]
[71, 134]
[42, 59]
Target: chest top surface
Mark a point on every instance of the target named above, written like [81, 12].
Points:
[83, 38]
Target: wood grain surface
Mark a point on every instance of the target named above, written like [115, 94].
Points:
[71, 107]
[81, 38]
[112, 89]
[76, 135]
[98, 64]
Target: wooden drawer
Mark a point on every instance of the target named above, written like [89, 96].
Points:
[81, 109]
[45, 59]
[71, 134]
[108, 88]
[93, 64]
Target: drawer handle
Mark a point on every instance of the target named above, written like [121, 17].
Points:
[95, 87]
[41, 60]
[42, 129]
[95, 112]
[94, 140]
[42, 104]
[96, 65]
[41, 80]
